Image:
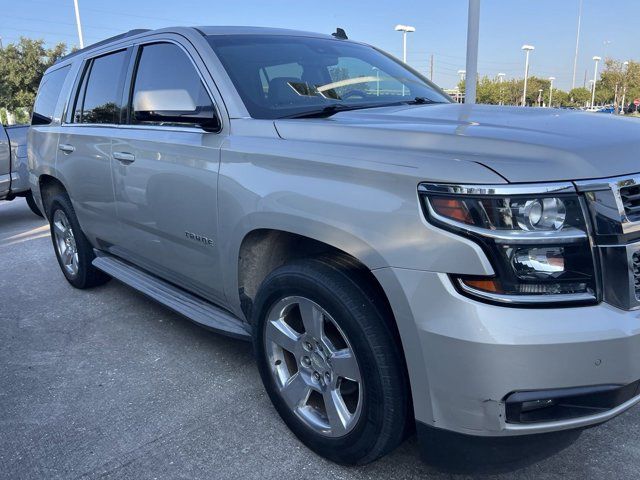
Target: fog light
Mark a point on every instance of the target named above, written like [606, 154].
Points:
[537, 404]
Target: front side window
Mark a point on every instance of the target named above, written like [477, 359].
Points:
[167, 89]
[48, 94]
[281, 76]
[99, 97]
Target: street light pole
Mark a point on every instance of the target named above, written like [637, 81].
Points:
[377, 80]
[595, 79]
[527, 49]
[75, 4]
[624, 83]
[575, 58]
[551, 79]
[462, 74]
[473, 33]
[404, 29]
[500, 79]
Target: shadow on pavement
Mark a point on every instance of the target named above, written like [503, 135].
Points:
[18, 223]
[465, 454]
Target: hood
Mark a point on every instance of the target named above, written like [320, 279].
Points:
[520, 144]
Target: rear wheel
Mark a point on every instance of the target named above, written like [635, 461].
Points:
[73, 250]
[329, 361]
[32, 204]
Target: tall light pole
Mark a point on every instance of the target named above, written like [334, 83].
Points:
[377, 70]
[75, 4]
[500, 80]
[551, 79]
[404, 29]
[527, 49]
[473, 33]
[575, 58]
[595, 79]
[463, 74]
[624, 83]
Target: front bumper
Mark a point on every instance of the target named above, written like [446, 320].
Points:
[465, 357]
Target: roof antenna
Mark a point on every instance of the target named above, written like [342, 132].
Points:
[341, 34]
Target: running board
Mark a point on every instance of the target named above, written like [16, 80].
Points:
[194, 308]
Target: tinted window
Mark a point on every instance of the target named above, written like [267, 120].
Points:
[279, 76]
[166, 81]
[100, 92]
[48, 94]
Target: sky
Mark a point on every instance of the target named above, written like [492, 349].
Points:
[608, 28]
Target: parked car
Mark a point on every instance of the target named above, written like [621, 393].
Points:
[393, 256]
[606, 109]
[14, 174]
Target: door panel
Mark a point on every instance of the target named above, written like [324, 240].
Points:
[86, 167]
[165, 169]
[84, 146]
[167, 204]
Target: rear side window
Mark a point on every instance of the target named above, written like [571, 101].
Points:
[48, 94]
[165, 75]
[99, 97]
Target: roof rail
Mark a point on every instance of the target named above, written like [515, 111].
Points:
[120, 36]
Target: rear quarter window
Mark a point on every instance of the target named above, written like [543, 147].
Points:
[47, 98]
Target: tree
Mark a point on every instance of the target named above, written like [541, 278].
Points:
[509, 92]
[581, 96]
[616, 76]
[21, 68]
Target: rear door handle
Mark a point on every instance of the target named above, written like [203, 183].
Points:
[66, 148]
[124, 157]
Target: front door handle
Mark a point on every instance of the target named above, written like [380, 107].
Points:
[124, 157]
[66, 148]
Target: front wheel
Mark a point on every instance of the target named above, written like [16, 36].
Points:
[329, 361]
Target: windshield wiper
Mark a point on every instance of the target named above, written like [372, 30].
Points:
[341, 107]
[331, 110]
[421, 101]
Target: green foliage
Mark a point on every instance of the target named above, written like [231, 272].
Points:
[625, 78]
[21, 68]
[509, 92]
[615, 75]
[581, 96]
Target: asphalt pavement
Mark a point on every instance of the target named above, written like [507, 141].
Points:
[105, 383]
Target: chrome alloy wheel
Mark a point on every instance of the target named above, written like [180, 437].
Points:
[65, 242]
[314, 366]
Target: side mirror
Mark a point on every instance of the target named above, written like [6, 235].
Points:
[173, 107]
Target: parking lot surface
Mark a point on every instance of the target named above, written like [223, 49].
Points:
[107, 384]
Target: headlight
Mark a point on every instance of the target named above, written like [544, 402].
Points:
[536, 237]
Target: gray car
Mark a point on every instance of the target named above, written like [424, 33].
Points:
[14, 174]
[396, 259]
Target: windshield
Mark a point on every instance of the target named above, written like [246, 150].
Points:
[283, 76]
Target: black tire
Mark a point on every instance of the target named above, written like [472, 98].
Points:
[342, 291]
[32, 204]
[87, 275]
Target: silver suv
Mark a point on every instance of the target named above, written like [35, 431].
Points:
[392, 255]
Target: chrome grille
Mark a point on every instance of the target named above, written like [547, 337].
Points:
[614, 204]
[630, 197]
[636, 273]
